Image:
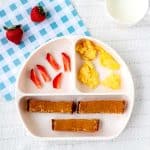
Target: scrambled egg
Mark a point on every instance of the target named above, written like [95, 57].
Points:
[113, 81]
[86, 49]
[88, 75]
[108, 61]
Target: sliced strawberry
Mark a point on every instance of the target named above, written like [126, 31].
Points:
[57, 81]
[35, 79]
[44, 73]
[52, 61]
[66, 61]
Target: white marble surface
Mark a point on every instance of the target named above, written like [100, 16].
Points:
[133, 44]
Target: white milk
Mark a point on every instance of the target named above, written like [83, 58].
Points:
[127, 11]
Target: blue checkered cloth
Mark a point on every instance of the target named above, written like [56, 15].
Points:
[62, 19]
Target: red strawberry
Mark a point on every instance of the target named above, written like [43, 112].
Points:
[43, 72]
[14, 34]
[37, 14]
[66, 61]
[35, 79]
[57, 81]
[52, 61]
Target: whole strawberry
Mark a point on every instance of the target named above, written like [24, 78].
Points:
[14, 34]
[37, 14]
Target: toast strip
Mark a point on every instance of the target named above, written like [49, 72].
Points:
[102, 106]
[51, 106]
[74, 125]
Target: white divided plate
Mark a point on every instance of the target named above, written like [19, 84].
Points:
[39, 124]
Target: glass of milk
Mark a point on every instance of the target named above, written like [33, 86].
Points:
[127, 12]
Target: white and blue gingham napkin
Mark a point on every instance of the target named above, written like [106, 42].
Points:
[62, 19]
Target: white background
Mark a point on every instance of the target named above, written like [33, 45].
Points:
[133, 44]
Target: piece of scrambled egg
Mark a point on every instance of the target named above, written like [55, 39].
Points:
[108, 61]
[88, 75]
[113, 81]
[86, 49]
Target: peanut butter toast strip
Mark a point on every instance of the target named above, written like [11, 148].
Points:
[51, 106]
[102, 106]
[74, 125]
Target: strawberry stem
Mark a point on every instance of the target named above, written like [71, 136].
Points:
[12, 28]
[41, 10]
[5, 28]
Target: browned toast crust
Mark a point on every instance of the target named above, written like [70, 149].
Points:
[51, 106]
[102, 106]
[74, 125]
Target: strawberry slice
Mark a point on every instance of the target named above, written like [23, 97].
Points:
[67, 62]
[44, 73]
[57, 81]
[35, 79]
[52, 61]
